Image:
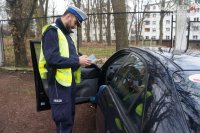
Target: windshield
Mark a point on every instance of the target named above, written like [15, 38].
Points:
[187, 84]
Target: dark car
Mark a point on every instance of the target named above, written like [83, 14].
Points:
[137, 91]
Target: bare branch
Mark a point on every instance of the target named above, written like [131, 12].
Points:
[29, 16]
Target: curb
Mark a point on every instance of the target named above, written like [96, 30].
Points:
[12, 68]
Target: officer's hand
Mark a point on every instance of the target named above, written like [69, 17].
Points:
[83, 60]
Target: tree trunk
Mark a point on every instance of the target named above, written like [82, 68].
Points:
[136, 26]
[77, 3]
[95, 27]
[79, 36]
[46, 10]
[23, 9]
[41, 11]
[100, 21]
[141, 26]
[94, 19]
[120, 24]
[162, 15]
[108, 35]
[19, 48]
[161, 29]
[88, 24]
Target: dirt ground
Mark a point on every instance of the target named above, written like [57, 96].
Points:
[18, 110]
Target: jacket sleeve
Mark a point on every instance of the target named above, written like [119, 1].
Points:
[51, 52]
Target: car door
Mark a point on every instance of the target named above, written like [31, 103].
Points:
[85, 90]
[162, 109]
[117, 98]
[187, 84]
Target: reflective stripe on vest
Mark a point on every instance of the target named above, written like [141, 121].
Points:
[63, 76]
[139, 108]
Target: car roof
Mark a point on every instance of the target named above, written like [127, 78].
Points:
[186, 61]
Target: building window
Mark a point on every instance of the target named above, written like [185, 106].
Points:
[147, 37]
[147, 7]
[147, 15]
[147, 29]
[197, 10]
[195, 28]
[168, 14]
[167, 37]
[154, 15]
[154, 29]
[154, 22]
[167, 21]
[147, 22]
[167, 29]
[196, 19]
[195, 37]
[154, 7]
[153, 37]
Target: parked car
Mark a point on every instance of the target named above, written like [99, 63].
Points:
[137, 90]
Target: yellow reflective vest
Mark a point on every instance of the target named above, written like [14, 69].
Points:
[139, 107]
[63, 76]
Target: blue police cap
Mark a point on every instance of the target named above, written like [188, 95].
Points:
[78, 13]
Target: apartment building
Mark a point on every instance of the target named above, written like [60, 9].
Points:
[151, 26]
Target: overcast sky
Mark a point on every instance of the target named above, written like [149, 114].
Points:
[62, 4]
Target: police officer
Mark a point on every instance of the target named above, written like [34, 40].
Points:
[59, 64]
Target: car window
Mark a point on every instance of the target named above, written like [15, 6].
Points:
[120, 60]
[114, 67]
[128, 83]
[161, 112]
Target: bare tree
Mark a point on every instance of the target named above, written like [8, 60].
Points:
[120, 24]
[100, 19]
[77, 3]
[139, 19]
[2, 13]
[164, 5]
[108, 30]
[43, 6]
[88, 23]
[94, 18]
[162, 15]
[20, 9]
[53, 9]
[41, 11]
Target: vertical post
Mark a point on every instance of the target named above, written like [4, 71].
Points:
[1, 45]
[188, 36]
[172, 28]
[181, 25]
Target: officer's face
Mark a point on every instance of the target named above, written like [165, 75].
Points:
[72, 22]
[69, 21]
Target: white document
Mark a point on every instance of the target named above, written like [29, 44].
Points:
[92, 58]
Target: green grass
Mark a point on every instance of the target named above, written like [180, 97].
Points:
[99, 52]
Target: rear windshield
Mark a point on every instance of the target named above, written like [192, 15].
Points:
[188, 87]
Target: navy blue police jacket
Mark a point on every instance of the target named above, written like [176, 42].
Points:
[50, 48]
